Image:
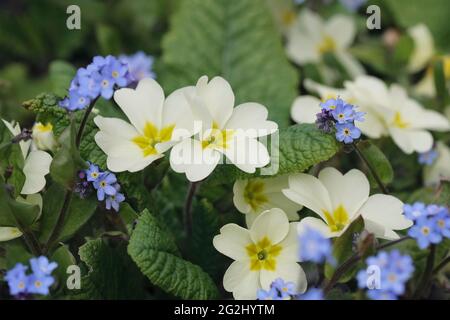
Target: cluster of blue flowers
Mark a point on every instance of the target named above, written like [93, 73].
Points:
[428, 158]
[38, 282]
[281, 290]
[386, 275]
[314, 247]
[431, 223]
[339, 117]
[104, 183]
[103, 76]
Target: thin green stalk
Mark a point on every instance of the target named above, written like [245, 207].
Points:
[188, 208]
[371, 169]
[441, 265]
[69, 193]
[428, 273]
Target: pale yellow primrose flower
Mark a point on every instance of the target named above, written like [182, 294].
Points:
[224, 130]
[340, 199]
[43, 137]
[155, 124]
[253, 196]
[37, 164]
[266, 251]
[310, 38]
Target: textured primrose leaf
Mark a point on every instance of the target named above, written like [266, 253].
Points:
[235, 39]
[155, 253]
[111, 273]
[300, 147]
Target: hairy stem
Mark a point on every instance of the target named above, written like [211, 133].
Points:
[84, 122]
[69, 193]
[371, 169]
[188, 208]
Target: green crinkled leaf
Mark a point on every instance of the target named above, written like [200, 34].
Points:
[64, 258]
[111, 273]
[155, 253]
[11, 160]
[378, 161]
[61, 74]
[300, 147]
[213, 38]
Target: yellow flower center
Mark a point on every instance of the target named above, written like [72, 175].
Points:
[115, 74]
[44, 128]
[425, 230]
[327, 45]
[441, 223]
[338, 219]
[254, 194]
[399, 122]
[217, 138]
[38, 284]
[262, 255]
[151, 137]
[21, 285]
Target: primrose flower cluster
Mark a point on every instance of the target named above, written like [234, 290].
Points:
[339, 117]
[431, 223]
[386, 275]
[38, 282]
[105, 183]
[103, 76]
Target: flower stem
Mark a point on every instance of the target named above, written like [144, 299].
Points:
[441, 265]
[393, 242]
[371, 169]
[60, 222]
[188, 208]
[84, 122]
[69, 193]
[427, 275]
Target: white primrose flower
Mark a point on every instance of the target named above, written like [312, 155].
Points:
[10, 233]
[266, 251]
[423, 50]
[156, 124]
[389, 112]
[440, 168]
[43, 137]
[392, 112]
[253, 196]
[310, 38]
[339, 199]
[36, 163]
[284, 14]
[223, 130]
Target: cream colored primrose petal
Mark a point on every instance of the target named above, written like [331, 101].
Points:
[243, 283]
[253, 196]
[36, 167]
[423, 47]
[9, 233]
[383, 214]
[305, 109]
